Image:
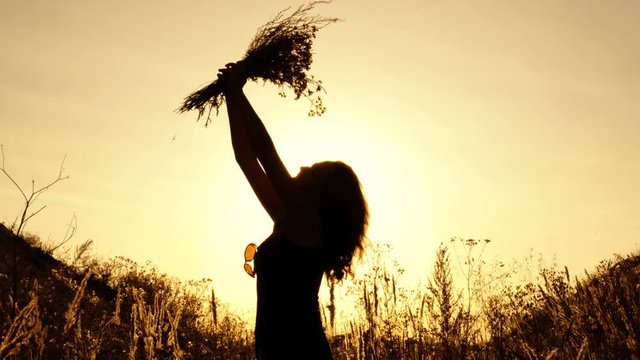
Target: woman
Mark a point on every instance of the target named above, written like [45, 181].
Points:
[320, 218]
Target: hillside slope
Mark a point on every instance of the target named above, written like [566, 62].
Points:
[106, 310]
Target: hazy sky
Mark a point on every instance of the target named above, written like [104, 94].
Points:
[515, 121]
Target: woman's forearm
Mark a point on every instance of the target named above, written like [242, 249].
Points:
[240, 140]
[259, 138]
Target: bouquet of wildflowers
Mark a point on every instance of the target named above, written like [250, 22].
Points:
[279, 53]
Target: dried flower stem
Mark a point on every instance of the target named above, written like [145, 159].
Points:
[280, 53]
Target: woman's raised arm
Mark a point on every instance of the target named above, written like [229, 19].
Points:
[253, 148]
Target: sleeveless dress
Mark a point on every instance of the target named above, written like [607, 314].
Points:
[288, 324]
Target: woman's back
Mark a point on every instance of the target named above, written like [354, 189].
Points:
[288, 320]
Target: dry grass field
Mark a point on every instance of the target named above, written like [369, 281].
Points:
[83, 308]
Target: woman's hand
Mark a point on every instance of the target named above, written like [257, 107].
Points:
[233, 76]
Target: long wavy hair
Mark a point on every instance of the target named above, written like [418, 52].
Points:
[344, 215]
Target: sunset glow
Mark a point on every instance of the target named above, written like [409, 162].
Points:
[510, 121]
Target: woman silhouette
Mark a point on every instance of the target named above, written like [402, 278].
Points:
[320, 218]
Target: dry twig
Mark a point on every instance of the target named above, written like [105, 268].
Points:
[31, 198]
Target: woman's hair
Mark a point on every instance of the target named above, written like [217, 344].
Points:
[344, 216]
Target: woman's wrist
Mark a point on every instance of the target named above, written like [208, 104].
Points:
[233, 91]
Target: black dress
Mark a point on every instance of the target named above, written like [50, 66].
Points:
[288, 324]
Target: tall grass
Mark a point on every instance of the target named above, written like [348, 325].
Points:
[114, 309]
[117, 309]
[482, 314]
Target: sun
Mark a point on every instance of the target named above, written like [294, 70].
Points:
[393, 184]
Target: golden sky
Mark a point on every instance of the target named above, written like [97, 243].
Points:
[511, 120]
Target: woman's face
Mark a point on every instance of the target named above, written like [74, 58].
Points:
[311, 177]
